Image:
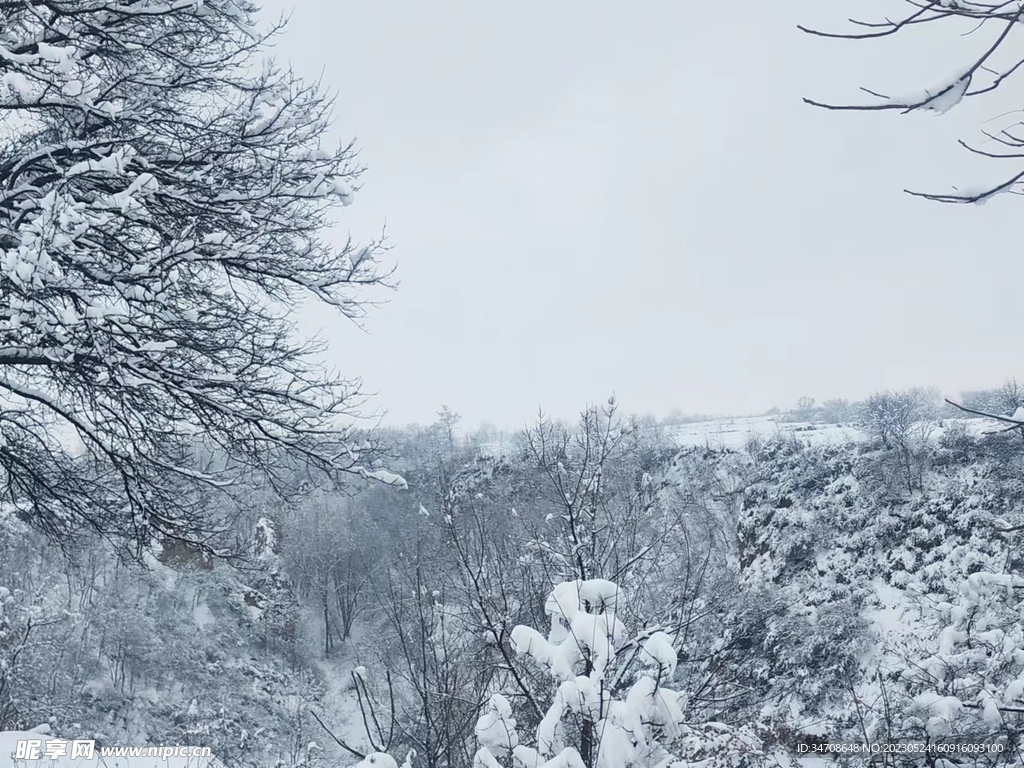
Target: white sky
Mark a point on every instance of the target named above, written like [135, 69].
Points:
[588, 197]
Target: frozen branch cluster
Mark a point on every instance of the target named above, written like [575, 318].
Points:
[624, 725]
[164, 193]
[987, 29]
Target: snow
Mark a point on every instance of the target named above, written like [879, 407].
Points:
[941, 711]
[990, 710]
[657, 651]
[203, 616]
[948, 96]
[343, 191]
[496, 728]
[113, 164]
[584, 626]
[386, 477]
[599, 593]
[892, 615]
[734, 433]
[981, 194]
[377, 760]
[939, 99]
[1014, 691]
[18, 84]
[599, 634]
[785, 760]
[568, 598]
[266, 532]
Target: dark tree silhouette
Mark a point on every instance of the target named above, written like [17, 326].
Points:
[990, 32]
[164, 193]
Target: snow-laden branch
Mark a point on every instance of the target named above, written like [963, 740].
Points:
[164, 204]
[987, 68]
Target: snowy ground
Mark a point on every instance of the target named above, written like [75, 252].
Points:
[736, 432]
[340, 706]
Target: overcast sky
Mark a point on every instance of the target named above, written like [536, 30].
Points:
[596, 197]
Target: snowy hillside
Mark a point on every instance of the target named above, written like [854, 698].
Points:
[899, 592]
[735, 433]
[787, 565]
[212, 533]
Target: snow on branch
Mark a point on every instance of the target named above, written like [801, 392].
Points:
[637, 724]
[987, 70]
[163, 206]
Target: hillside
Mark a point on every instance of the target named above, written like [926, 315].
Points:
[813, 585]
[898, 613]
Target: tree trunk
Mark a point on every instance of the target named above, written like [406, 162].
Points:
[327, 631]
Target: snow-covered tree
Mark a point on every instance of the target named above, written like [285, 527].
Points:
[164, 194]
[330, 568]
[131, 653]
[428, 646]
[612, 706]
[902, 422]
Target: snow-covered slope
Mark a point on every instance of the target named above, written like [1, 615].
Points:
[893, 588]
[736, 432]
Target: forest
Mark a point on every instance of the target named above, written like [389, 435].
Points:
[725, 605]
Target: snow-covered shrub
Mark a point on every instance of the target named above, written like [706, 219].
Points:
[890, 616]
[613, 705]
[957, 442]
[137, 655]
